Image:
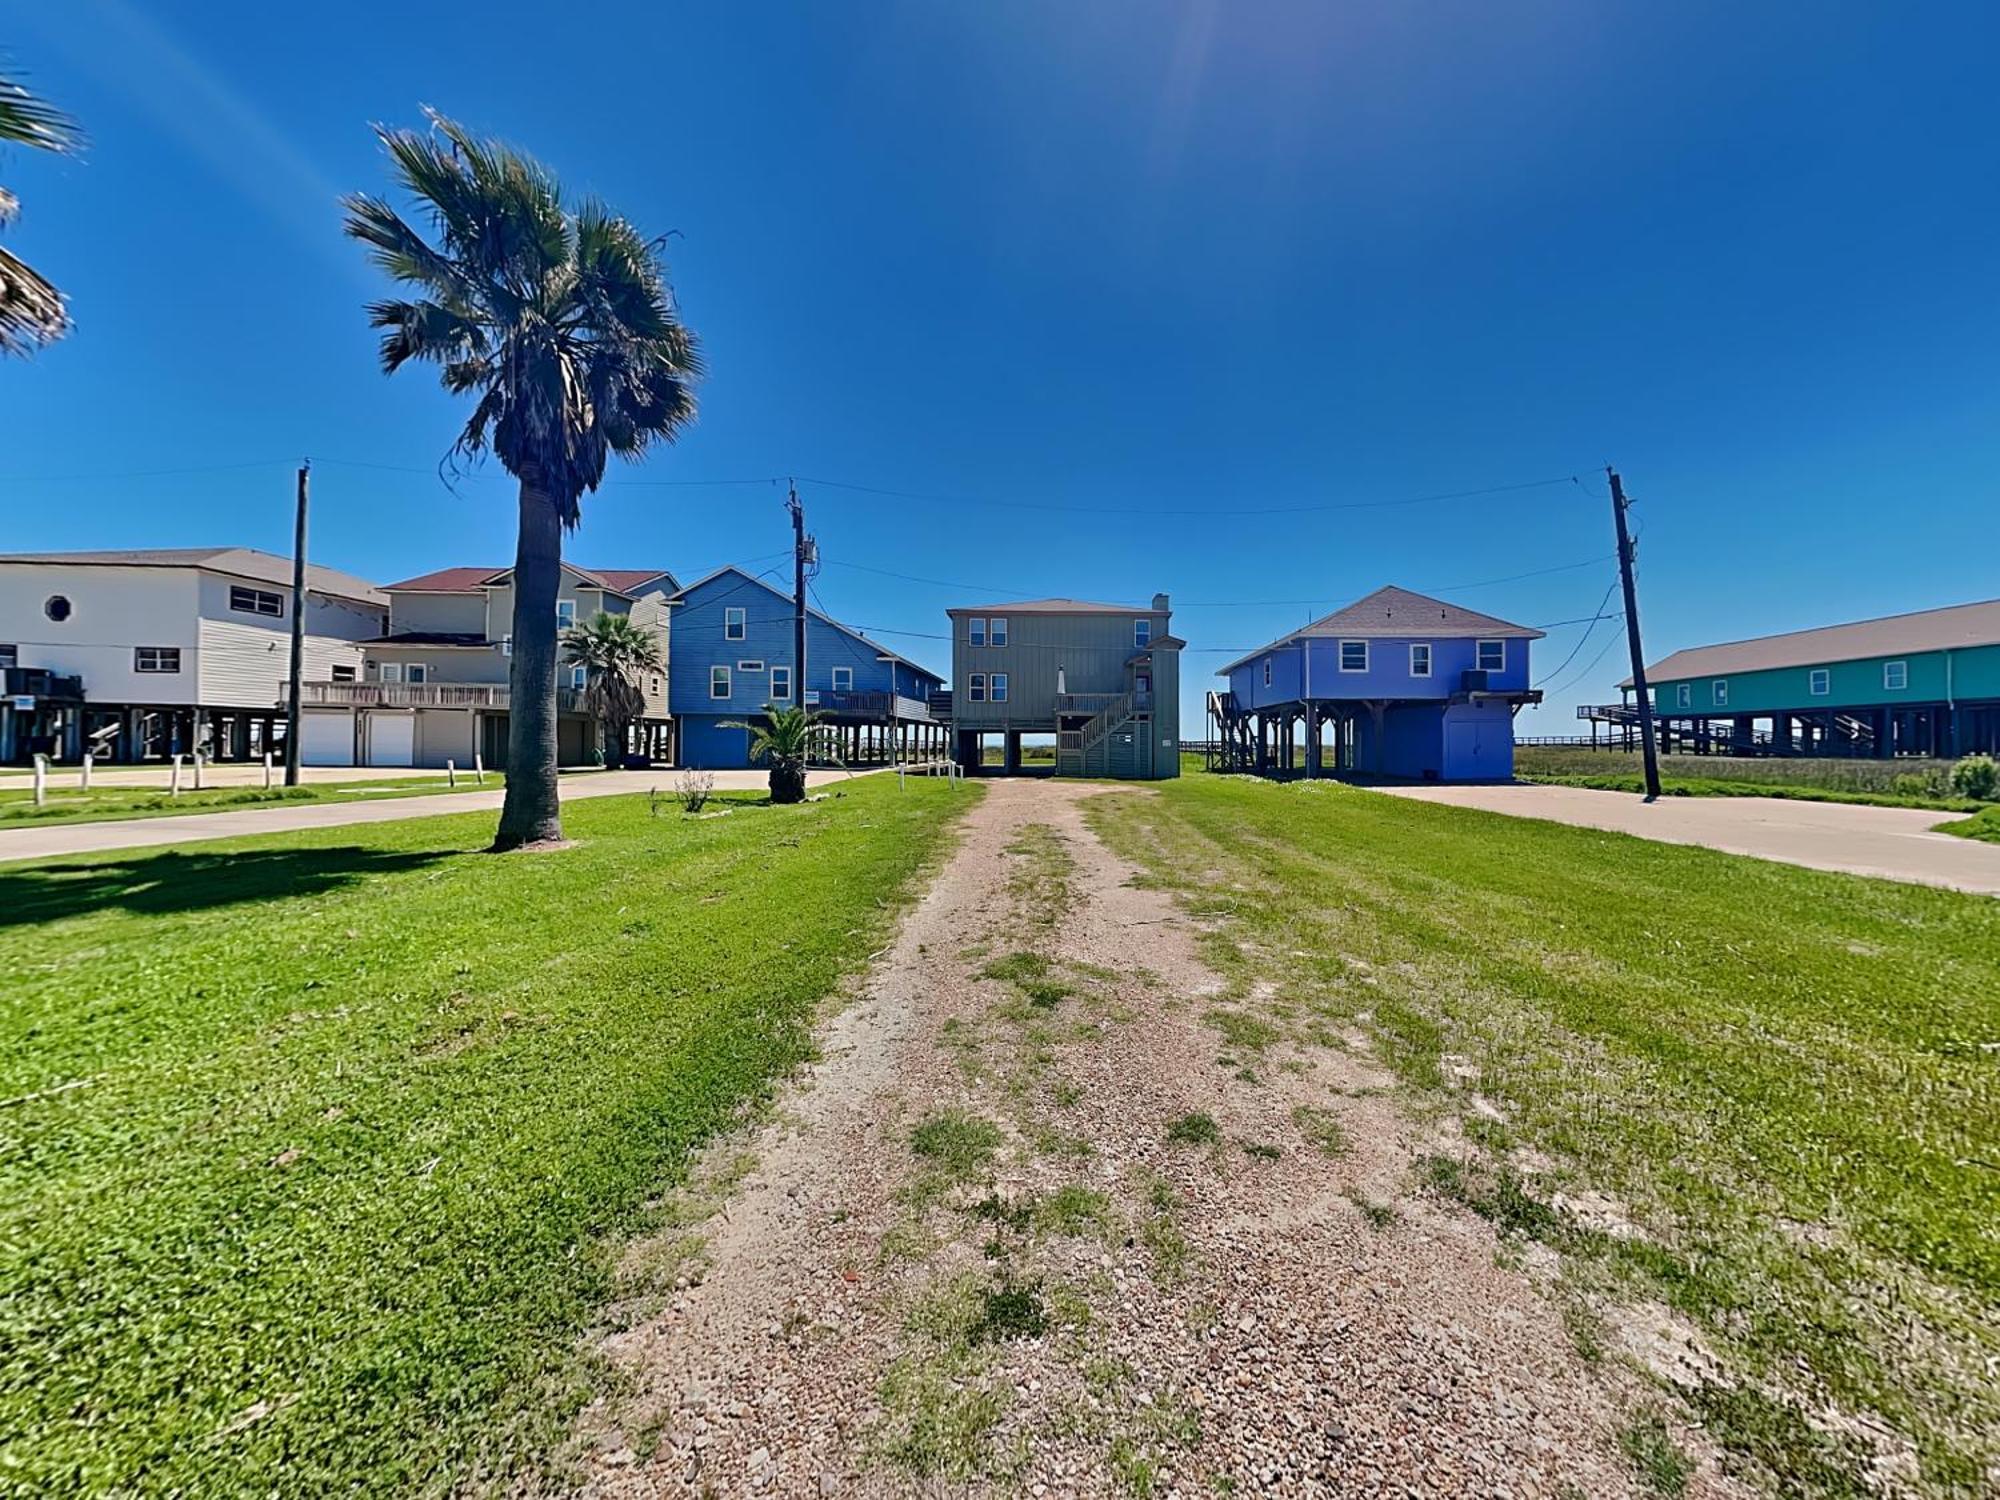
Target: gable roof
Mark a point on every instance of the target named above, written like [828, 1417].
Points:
[472, 580]
[446, 581]
[1948, 629]
[1394, 613]
[239, 562]
[1050, 607]
[825, 619]
[625, 580]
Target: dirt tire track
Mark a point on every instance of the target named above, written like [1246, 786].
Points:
[1314, 1352]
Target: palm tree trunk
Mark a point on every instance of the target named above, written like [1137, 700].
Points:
[532, 813]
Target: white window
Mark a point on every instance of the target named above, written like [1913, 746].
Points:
[156, 658]
[750, 666]
[10, 656]
[1819, 682]
[718, 682]
[1718, 691]
[416, 672]
[506, 645]
[1420, 658]
[781, 684]
[1684, 695]
[343, 674]
[999, 687]
[579, 677]
[256, 601]
[1142, 633]
[996, 631]
[1895, 676]
[1267, 671]
[1492, 656]
[390, 671]
[734, 622]
[843, 679]
[1353, 656]
[975, 687]
[975, 630]
[565, 614]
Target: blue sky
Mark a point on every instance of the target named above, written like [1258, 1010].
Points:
[1044, 263]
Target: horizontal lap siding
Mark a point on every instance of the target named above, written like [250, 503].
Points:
[1974, 673]
[769, 628]
[1088, 651]
[1388, 675]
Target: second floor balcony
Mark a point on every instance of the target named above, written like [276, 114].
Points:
[493, 696]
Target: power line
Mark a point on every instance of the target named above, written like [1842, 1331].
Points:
[1584, 639]
[1205, 510]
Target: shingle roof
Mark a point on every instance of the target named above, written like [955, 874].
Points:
[1395, 612]
[239, 562]
[472, 580]
[1050, 607]
[446, 581]
[429, 638]
[624, 580]
[1948, 629]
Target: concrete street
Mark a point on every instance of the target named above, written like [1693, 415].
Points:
[1894, 843]
[139, 833]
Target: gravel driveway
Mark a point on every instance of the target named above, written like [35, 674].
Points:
[1034, 1225]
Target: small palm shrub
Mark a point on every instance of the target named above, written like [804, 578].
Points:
[788, 738]
[1976, 776]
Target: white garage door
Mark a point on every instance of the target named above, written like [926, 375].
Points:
[392, 739]
[326, 739]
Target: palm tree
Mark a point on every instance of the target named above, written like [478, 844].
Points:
[614, 652]
[788, 738]
[31, 310]
[561, 322]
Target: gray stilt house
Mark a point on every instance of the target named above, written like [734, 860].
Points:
[1104, 679]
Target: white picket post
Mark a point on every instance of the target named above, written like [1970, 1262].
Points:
[197, 759]
[41, 779]
[83, 775]
[174, 782]
[451, 773]
[267, 770]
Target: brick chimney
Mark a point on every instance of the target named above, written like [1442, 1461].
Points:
[1159, 604]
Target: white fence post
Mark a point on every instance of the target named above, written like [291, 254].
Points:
[451, 773]
[267, 770]
[197, 758]
[174, 780]
[41, 779]
[479, 767]
[83, 775]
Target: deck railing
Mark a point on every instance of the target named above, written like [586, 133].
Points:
[495, 696]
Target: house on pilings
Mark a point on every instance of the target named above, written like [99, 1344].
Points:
[1396, 685]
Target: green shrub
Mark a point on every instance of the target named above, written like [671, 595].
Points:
[1976, 776]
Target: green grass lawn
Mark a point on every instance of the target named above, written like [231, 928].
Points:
[317, 1149]
[110, 803]
[1879, 783]
[1984, 826]
[1788, 1076]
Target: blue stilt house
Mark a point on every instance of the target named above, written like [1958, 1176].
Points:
[734, 652]
[1401, 685]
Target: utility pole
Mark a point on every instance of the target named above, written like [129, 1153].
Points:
[298, 667]
[799, 551]
[1618, 508]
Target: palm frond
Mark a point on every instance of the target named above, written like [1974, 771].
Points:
[562, 324]
[28, 120]
[32, 313]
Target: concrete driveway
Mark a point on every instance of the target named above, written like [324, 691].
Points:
[1892, 843]
[139, 833]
